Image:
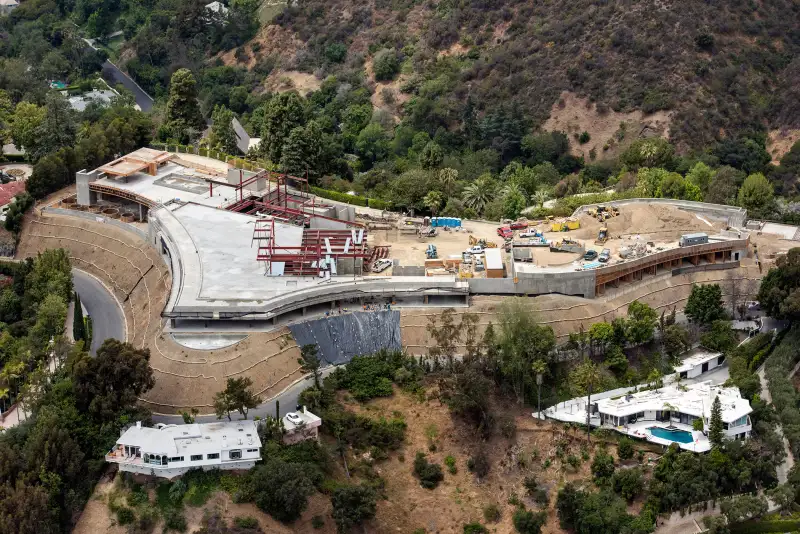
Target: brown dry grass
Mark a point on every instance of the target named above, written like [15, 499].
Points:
[572, 115]
[780, 141]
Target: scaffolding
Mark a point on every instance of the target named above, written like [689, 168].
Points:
[316, 255]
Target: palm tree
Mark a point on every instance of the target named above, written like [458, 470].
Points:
[433, 201]
[539, 367]
[448, 177]
[540, 197]
[477, 194]
[511, 188]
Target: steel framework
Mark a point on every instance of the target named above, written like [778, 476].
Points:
[315, 256]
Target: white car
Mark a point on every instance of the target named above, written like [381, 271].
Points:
[381, 265]
[529, 234]
[294, 418]
[475, 250]
[466, 257]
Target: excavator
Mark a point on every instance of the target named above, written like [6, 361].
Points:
[482, 242]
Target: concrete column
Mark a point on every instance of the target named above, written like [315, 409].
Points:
[141, 214]
[425, 299]
[304, 311]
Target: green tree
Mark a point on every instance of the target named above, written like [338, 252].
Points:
[223, 404]
[25, 125]
[50, 317]
[583, 380]
[183, 119]
[78, 326]
[447, 179]
[513, 204]
[433, 201]
[675, 340]
[478, 194]
[628, 483]
[527, 522]
[352, 505]
[651, 152]
[779, 293]
[223, 136]
[701, 175]
[385, 64]
[310, 362]
[16, 212]
[705, 304]
[302, 150]
[238, 396]
[57, 129]
[431, 156]
[724, 186]
[719, 337]
[756, 193]
[715, 428]
[283, 113]
[113, 381]
[602, 467]
[281, 489]
[372, 144]
[601, 336]
[743, 507]
[641, 323]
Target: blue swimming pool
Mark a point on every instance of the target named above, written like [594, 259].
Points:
[681, 436]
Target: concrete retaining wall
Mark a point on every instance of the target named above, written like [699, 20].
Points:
[734, 215]
[341, 337]
[707, 267]
[581, 283]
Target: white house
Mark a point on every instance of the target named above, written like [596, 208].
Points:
[7, 6]
[664, 415]
[171, 450]
[300, 426]
[699, 361]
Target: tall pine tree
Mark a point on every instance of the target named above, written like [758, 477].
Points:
[78, 324]
[715, 429]
[184, 120]
[301, 151]
[223, 136]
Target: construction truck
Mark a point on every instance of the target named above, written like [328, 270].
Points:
[565, 225]
[604, 213]
[567, 245]
[431, 252]
[602, 236]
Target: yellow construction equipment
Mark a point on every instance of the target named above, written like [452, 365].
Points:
[602, 236]
[482, 242]
[564, 225]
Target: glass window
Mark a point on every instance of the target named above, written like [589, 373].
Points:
[252, 450]
[197, 457]
[235, 454]
[214, 456]
[176, 459]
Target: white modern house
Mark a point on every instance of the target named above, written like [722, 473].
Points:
[664, 415]
[171, 450]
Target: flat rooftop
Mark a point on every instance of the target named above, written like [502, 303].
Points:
[697, 357]
[172, 181]
[692, 399]
[196, 438]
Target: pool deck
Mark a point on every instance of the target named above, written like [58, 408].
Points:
[640, 430]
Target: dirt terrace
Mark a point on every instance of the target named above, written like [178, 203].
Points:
[184, 377]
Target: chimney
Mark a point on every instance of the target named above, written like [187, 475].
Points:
[304, 408]
[138, 424]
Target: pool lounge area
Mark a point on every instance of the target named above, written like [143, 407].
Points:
[656, 432]
[671, 434]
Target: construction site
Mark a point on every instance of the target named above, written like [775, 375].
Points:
[223, 272]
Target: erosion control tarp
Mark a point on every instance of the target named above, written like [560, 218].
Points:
[341, 337]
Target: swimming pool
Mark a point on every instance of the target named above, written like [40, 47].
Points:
[680, 436]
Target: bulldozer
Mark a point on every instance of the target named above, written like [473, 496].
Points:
[604, 213]
[482, 242]
[602, 236]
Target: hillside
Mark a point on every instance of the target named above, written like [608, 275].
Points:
[723, 67]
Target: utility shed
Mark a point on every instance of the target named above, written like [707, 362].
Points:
[494, 263]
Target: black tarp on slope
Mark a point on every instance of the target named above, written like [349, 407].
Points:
[340, 337]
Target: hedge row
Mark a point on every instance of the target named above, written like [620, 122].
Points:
[378, 204]
[339, 197]
[760, 525]
[10, 268]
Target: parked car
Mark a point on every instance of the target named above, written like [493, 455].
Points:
[294, 418]
[505, 232]
[475, 250]
[590, 255]
[381, 265]
[466, 256]
[604, 256]
[529, 234]
[519, 225]
[478, 264]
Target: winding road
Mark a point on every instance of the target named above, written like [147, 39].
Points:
[106, 313]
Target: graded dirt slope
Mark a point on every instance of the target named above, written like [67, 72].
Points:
[141, 281]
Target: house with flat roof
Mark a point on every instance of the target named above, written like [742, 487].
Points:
[699, 361]
[664, 415]
[168, 451]
[300, 426]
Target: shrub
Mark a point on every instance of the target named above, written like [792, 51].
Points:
[625, 449]
[475, 528]
[508, 428]
[627, 483]
[174, 520]
[317, 522]
[450, 462]
[339, 197]
[429, 474]
[584, 138]
[491, 513]
[385, 64]
[531, 484]
[602, 467]
[125, 516]
[245, 522]
[527, 522]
